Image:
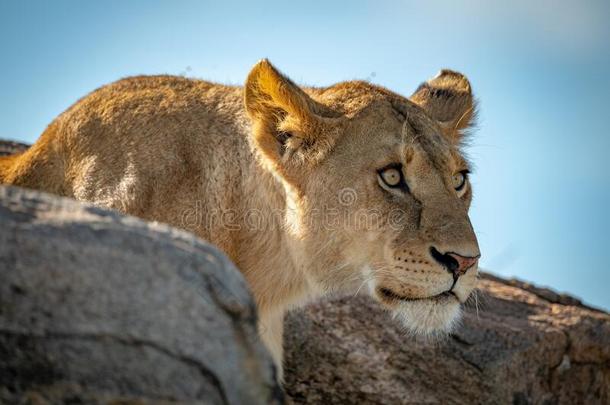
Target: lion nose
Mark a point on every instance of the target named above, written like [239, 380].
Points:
[455, 263]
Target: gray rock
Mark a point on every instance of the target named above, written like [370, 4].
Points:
[10, 147]
[96, 307]
[521, 345]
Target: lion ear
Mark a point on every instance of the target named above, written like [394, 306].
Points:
[282, 114]
[448, 99]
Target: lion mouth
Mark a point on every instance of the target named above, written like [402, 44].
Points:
[389, 295]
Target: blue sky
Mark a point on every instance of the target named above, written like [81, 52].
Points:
[539, 68]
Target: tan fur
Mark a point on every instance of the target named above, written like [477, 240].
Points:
[283, 179]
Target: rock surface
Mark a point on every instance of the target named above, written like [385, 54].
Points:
[10, 147]
[522, 346]
[96, 307]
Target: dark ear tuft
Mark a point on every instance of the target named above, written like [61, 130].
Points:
[448, 99]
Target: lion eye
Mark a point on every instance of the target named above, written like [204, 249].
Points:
[459, 180]
[391, 177]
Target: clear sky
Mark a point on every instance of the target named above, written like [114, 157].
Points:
[540, 69]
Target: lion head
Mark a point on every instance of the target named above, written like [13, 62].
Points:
[376, 187]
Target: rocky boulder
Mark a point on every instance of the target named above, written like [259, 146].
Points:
[10, 147]
[96, 307]
[521, 345]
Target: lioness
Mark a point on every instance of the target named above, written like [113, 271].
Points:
[307, 190]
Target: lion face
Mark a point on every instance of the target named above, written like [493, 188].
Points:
[377, 190]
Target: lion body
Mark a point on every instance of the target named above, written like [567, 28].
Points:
[190, 154]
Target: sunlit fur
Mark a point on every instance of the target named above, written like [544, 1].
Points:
[179, 150]
[427, 318]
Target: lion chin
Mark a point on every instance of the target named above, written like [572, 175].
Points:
[433, 317]
[428, 318]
